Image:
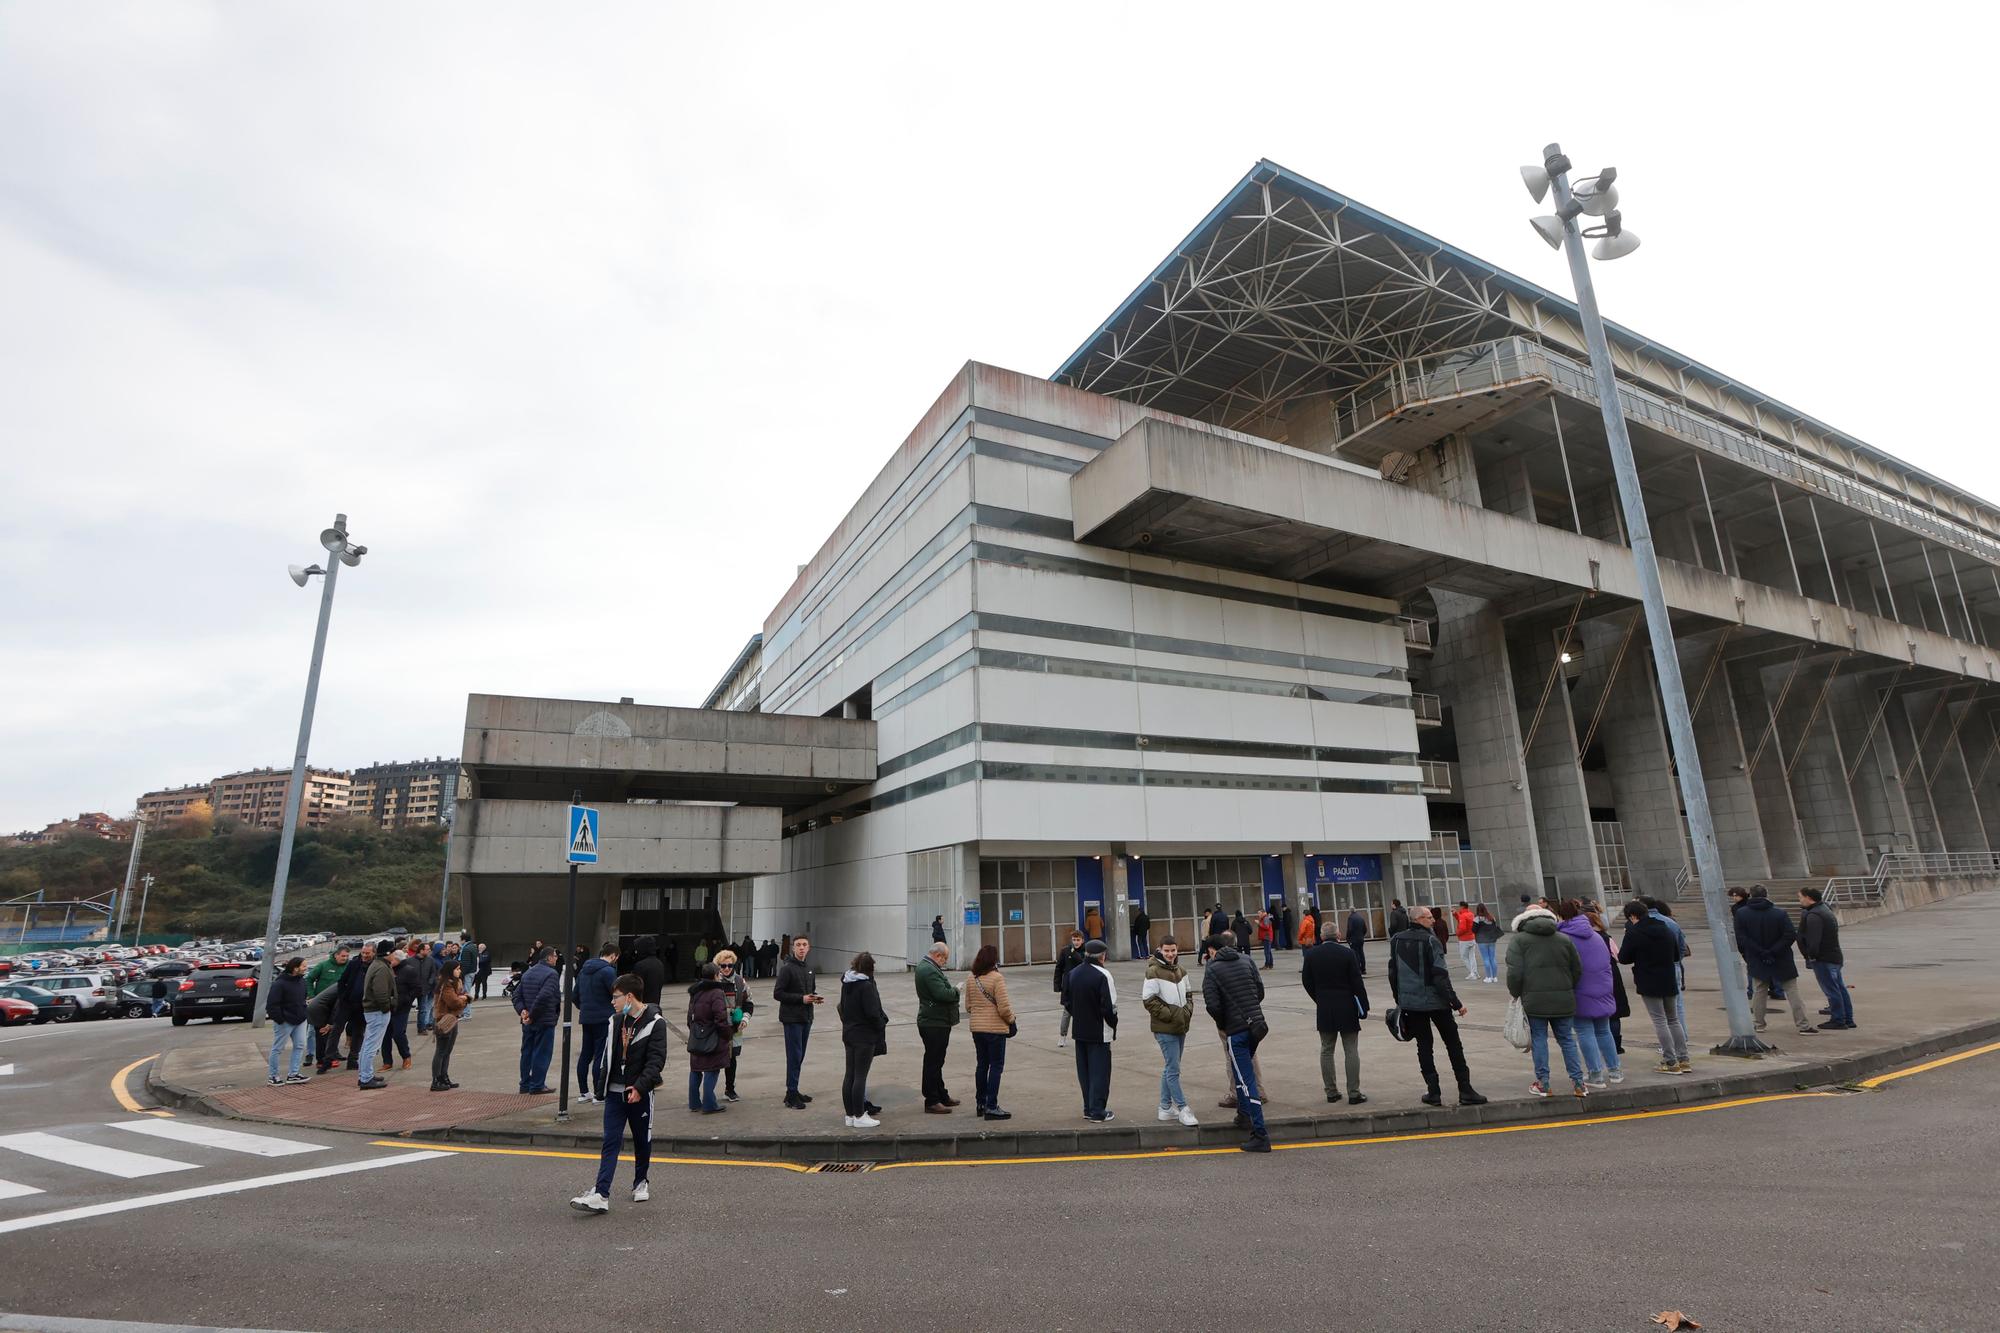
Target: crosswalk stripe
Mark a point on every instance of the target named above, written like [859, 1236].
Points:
[209, 1136]
[90, 1157]
[9, 1190]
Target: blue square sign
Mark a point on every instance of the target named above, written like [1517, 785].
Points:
[582, 835]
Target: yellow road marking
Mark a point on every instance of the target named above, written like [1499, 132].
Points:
[580, 1156]
[125, 1099]
[1367, 1141]
[1481, 1131]
[1880, 1079]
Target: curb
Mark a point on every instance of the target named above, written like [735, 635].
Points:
[1151, 1137]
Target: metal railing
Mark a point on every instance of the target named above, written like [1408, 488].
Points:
[1428, 708]
[1417, 633]
[1436, 777]
[1515, 360]
[1868, 890]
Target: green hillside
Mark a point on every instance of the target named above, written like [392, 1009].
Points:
[348, 876]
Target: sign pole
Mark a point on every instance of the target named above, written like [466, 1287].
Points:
[581, 846]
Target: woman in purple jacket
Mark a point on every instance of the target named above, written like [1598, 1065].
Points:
[1596, 999]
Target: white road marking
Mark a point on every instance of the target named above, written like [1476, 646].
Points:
[9, 1190]
[90, 1157]
[210, 1191]
[6, 1069]
[208, 1136]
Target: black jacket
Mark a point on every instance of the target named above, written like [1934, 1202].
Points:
[287, 1004]
[1357, 928]
[409, 981]
[638, 1049]
[795, 981]
[1232, 992]
[863, 1022]
[1239, 926]
[1218, 921]
[649, 969]
[326, 1009]
[1650, 951]
[1093, 1017]
[1331, 974]
[1418, 978]
[350, 984]
[1764, 935]
[1819, 936]
[539, 996]
[1067, 961]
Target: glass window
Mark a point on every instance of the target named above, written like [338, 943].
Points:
[1038, 874]
[1013, 875]
[1063, 875]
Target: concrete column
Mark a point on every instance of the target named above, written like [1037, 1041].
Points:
[1818, 778]
[1634, 739]
[1903, 751]
[1504, 486]
[1956, 777]
[1977, 743]
[1447, 469]
[1776, 816]
[1732, 801]
[1943, 773]
[1470, 673]
[1878, 795]
[1555, 780]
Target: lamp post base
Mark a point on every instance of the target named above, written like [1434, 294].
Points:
[1747, 1048]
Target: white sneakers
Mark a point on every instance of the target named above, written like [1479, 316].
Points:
[1167, 1113]
[1187, 1117]
[592, 1202]
[1180, 1113]
[1061, 1041]
[585, 1097]
[641, 1193]
[861, 1121]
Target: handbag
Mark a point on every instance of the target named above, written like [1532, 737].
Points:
[702, 1038]
[1393, 1020]
[1515, 1028]
[1013, 1028]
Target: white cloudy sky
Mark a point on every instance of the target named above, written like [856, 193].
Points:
[594, 316]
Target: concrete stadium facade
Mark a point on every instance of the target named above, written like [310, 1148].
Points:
[1304, 581]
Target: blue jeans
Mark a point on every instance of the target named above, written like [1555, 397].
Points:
[795, 1054]
[1242, 1064]
[591, 1063]
[299, 1035]
[423, 1013]
[1268, 960]
[1838, 1002]
[1171, 1043]
[1600, 1045]
[701, 1089]
[399, 1033]
[1486, 957]
[1538, 1039]
[537, 1045]
[374, 1024]
[618, 1113]
[989, 1052]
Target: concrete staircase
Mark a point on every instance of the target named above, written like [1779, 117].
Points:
[1690, 910]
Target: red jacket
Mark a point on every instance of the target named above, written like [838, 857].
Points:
[1464, 918]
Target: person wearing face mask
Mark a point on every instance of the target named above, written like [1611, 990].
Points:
[638, 1057]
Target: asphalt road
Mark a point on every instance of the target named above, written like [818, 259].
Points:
[1869, 1211]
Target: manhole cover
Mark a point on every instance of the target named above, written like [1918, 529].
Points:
[840, 1168]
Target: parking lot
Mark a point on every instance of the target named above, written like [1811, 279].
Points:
[98, 981]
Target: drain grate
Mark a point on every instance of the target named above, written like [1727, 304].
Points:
[840, 1168]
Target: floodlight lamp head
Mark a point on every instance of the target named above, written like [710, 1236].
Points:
[300, 573]
[1616, 244]
[352, 555]
[333, 539]
[1536, 178]
[1596, 195]
[1550, 228]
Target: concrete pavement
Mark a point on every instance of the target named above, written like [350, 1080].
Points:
[1921, 981]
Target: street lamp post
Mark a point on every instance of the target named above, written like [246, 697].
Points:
[339, 552]
[131, 871]
[1597, 196]
[145, 892]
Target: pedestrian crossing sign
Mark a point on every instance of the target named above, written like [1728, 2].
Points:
[582, 835]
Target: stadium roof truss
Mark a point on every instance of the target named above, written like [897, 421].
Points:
[1290, 303]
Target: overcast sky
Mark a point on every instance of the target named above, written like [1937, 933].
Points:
[595, 317]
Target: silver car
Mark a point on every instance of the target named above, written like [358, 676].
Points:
[95, 993]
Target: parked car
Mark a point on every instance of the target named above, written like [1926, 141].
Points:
[49, 1006]
[14, 1013]
[169, 967]
[136, 1000]
[95, 992]
[216, 991]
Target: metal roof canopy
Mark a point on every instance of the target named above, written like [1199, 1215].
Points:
[1288, 290]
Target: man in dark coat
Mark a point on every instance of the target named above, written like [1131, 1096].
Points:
[796, 991]
[538, 999]
[1420, 983]
[1092, 1002]
[1819, 945]
[1233, 994]
[1357, 938]
[1764, 936]
[1331, 974]
[1218, 920]
[353, 1017]
[1070, 958]
[646, 966]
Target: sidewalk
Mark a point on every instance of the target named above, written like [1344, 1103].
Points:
[1921, 983]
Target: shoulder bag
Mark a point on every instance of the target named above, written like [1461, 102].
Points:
[1013, 1029]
